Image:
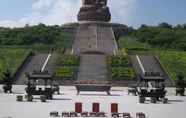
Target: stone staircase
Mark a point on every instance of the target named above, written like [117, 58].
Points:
[150, 64]
[92, 67]
[36, 63]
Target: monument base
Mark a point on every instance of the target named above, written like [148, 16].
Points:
[95, 37]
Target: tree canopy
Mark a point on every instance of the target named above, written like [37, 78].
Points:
[163, 35]
[30, 35]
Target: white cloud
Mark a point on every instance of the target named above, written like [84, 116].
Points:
[121, 10]
[53, 12]
[39, 4]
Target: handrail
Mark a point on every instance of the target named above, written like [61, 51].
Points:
[115, 42]
[163, 68]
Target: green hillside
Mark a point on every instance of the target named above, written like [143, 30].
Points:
[11, 58]
[40, 34]
[164, 40]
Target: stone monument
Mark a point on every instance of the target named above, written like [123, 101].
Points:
[94, 41]
[95, 33]
[94, 10]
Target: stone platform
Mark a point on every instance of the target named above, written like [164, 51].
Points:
[65, 102]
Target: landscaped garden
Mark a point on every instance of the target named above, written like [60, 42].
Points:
[68, 60]
[11, 59]
[15, 44]
[67, 66]
[120, 68]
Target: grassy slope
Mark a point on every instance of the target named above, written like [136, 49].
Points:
[131, 43]
[11, 58]
[173, 61]
[67, 40]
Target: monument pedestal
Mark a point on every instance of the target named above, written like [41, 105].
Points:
[95, 37]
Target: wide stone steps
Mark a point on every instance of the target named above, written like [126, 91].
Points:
[36, 64]
[149, 64]
[92, 67]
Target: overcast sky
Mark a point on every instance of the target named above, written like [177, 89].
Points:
[130, 12]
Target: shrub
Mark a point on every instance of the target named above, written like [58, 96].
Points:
[118, 61]
[65, 72]
[68, 60]
[120, 67]
[122, 73]
[67, 67]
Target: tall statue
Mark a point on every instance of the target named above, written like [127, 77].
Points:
[94, 10]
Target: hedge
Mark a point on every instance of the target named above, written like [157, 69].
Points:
[65, 72]
[120, 67]
[67, 67]
[122, 73]
[68, 60]
[119, 61]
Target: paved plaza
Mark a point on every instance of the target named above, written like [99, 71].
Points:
[176, 107]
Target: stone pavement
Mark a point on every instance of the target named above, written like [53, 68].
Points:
[65, 102]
